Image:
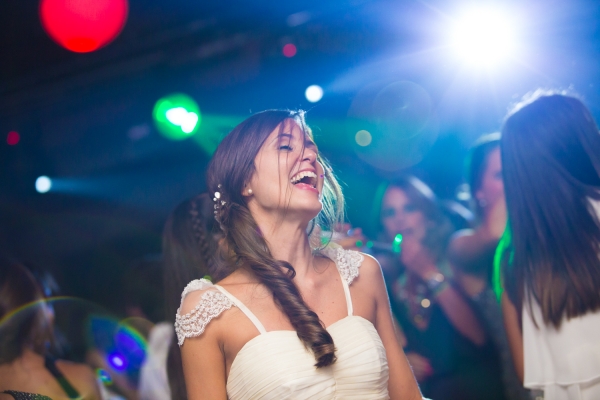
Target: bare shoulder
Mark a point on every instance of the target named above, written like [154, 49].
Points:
[81, 376]
[370, 276]
[370, 266]
[461, 239]
[463, 236]
[74, 369]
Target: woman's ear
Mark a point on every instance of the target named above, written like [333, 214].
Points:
[247, 191]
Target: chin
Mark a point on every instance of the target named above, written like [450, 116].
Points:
[308, 211]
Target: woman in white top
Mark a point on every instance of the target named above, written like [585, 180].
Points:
[549, 256]
[286, 323]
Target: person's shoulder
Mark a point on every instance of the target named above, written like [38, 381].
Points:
[370, 270]
[201, 302]
[81, 376]
[194, 293]
[461, 239]
[348, 262]
[462, 235]
[355, 266]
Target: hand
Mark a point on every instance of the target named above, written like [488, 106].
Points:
[417, 259]
[420, 366]
[349, 236]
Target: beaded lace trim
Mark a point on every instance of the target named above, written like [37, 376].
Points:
[347, 261]
[211, 305]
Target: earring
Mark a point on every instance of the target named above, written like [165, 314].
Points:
[249, 192]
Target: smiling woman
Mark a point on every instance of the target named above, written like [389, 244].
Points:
[446, 344]
[290, 321]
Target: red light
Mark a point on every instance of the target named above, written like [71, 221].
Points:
[83, 25]
[289, 50]
[13, 138]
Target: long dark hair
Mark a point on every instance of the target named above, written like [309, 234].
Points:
[551, 162]
[23, 320]
[439, 227]
[476, 165]
[190, 242]
[231, 168]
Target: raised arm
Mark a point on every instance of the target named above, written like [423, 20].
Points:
[461, 314]
[468, 246]
[402, 383]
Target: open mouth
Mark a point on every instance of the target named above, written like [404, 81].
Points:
[306, 177]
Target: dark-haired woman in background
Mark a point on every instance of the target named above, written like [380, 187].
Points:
[550, 255]
[446, 344]
[25, 331]
[190, 243]
[290, 321]
[471, 251]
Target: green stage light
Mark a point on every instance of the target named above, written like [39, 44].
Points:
[396, 248]
[177, 116]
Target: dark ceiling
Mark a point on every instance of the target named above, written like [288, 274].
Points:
[85, 119]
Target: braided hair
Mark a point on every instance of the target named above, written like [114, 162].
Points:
[190, 243]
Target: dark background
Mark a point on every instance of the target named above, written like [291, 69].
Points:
[86, 119]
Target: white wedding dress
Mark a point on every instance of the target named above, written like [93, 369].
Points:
[276, 365]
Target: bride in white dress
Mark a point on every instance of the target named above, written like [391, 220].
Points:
[288, 321]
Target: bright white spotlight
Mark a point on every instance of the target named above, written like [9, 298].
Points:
[314, 93]
[43, 184]
[484, 37]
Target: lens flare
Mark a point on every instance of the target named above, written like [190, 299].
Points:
[483, 37]
[363, 138]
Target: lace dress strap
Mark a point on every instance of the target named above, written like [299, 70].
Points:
[212, 303]
[347, 261]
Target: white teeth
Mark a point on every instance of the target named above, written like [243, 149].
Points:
[296, 178]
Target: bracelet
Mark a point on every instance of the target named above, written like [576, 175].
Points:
[437, 284]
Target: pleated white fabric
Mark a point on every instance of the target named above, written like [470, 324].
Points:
[275, 365]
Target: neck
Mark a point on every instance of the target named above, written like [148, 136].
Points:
[289, 242]
[30, 358]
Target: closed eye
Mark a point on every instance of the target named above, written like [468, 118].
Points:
[285, 147]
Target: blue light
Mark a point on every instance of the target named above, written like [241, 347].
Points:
[43, 184]
[314, 93]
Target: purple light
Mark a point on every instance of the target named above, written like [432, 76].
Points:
[117, 361]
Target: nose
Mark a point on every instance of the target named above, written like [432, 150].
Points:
[309, 155]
